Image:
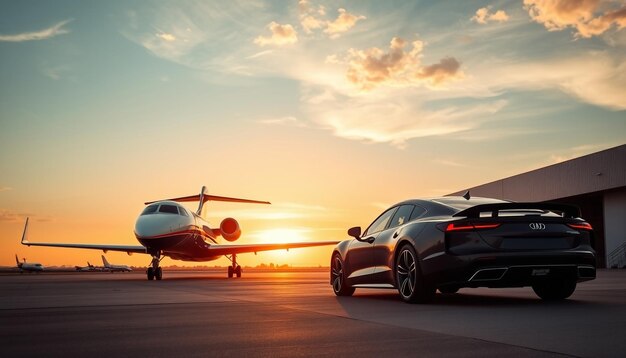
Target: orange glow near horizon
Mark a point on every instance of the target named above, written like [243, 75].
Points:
[282, 224]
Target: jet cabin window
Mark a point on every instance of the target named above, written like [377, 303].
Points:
[168, 209]
[149, 210]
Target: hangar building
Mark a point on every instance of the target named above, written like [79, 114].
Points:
[595, 182]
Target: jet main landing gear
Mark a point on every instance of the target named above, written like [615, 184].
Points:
[234, 269]
[155, 271]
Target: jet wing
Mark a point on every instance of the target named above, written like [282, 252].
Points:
[124, 248]
[240, 249]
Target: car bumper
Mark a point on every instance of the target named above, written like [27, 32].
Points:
[513, 269]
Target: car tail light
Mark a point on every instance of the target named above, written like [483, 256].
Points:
[581, 226]
[469, 226]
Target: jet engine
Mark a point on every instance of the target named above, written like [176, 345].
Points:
[229, 228]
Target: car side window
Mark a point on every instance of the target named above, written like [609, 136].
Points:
[417, 212]
[402, 215]
[381, 222]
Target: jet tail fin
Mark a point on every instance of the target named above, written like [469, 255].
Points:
[105, 262]
[17, 261]
[204, 196]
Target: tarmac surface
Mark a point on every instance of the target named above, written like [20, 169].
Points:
[291, 314]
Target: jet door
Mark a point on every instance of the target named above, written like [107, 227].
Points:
[361, 254]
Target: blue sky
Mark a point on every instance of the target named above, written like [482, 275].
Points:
[312, 103]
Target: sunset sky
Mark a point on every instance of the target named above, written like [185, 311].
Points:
[331, 110]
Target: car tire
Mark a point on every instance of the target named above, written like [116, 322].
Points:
[338, 277]
[555, 290]
[409, 279]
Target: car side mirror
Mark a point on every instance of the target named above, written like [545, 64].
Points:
[355, 232]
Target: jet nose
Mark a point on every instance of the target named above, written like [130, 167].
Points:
[149, 225]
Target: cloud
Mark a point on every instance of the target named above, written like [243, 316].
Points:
[44, 34]
[166, 37]
[259, 54]
[199, 34]
[281, 35]
[397, 67]
[181, 38]
[12, 216]
[56, 72]
[310, 23]
[483, 16]
[579, 151]
[415, 95]
[595, 77]
[438, 73]
[397, 116]
[288, 120]
[344, 22]
[310, 20]
[449, 163]
[588, 17]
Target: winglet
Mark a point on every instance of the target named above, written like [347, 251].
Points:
[25, 234]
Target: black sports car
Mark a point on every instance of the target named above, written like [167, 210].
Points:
[418, 246]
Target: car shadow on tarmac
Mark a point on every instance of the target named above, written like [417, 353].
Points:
[467, 300]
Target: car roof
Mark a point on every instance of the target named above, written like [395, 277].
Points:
[450, 204]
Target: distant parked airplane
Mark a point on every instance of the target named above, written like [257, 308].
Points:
[115, 268]
[166, 228]
[89, 267]
[28, 266]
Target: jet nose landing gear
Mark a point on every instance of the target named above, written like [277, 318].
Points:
[234, 269]
[155, 271]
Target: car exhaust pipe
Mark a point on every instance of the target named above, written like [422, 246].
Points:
[588, 272]
[489, 274]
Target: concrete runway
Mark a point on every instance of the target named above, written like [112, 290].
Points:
[296, 314]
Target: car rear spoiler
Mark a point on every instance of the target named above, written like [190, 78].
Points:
[568, 211]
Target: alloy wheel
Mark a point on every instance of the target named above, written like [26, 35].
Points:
[337, 274]
[406, 273]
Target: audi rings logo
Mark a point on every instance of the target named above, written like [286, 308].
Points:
[537, 226]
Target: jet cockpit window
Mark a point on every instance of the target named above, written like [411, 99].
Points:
[168, 209]
[182, 211]
[149, 210]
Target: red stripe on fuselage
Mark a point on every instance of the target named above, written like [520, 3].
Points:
[189, 244]
[192, 230]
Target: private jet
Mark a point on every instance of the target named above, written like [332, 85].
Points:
[115, 268]
[87, 268]
[28, 266]
[165, 228]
